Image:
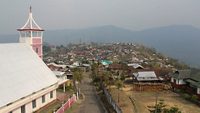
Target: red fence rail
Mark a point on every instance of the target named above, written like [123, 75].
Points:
[67, 105]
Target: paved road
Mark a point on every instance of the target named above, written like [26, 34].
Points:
[90, 104]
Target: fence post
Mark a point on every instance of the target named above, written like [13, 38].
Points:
[63, 107]
[77, 95]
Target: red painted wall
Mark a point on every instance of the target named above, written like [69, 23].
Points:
[37, 46]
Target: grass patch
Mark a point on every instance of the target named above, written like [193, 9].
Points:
[51, 108]
[72, 108]
[56, 106]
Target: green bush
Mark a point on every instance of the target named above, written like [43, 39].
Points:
[194, 98]
[174, 109]
[96, 79]
[186, 96]
[180, 91]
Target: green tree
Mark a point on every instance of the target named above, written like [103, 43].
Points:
[94, 69]
[161, 108]
[119, 85]
[158, 108]
[122, 76]
[106, 78]
[172, 110]
[194, 98]
[77, 78]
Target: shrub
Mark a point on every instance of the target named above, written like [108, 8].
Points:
[186, 96]
[194, 98]
[180, 91]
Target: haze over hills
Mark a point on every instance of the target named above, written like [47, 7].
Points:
[177, 41]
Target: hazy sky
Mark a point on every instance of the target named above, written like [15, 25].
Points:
[131, 14]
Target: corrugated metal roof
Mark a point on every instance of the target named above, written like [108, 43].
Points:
[135, 65]
[57, 65]
[22, 73]
[194, 83]
[59, 73]
[106, 62]
[182, 74]
[146, 76]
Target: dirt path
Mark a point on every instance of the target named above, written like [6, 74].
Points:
[90, 103]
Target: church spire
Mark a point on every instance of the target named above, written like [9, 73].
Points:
[32, 34]
[30, 23]
[30, 10]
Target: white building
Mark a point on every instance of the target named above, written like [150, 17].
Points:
[26, 83]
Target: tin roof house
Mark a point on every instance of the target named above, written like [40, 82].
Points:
[145, 76]
[178, 77]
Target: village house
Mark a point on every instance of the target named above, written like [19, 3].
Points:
[62, 72]
[62, 79]
[135, 66]
[178, 77]
[193, 85]
[145, 76]
[56, 67]
[147, 81]
[187, 81]
[115, 67]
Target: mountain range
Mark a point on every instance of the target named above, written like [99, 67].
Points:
[177, 41]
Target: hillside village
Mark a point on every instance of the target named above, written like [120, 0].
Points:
[116, 52]
[129, 70]
[95, 77]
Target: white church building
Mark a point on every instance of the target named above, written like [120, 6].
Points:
[26, 83]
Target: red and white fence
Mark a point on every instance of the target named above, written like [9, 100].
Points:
[67, 105]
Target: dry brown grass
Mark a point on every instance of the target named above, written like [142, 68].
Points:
[146, 98]
[124, 102]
